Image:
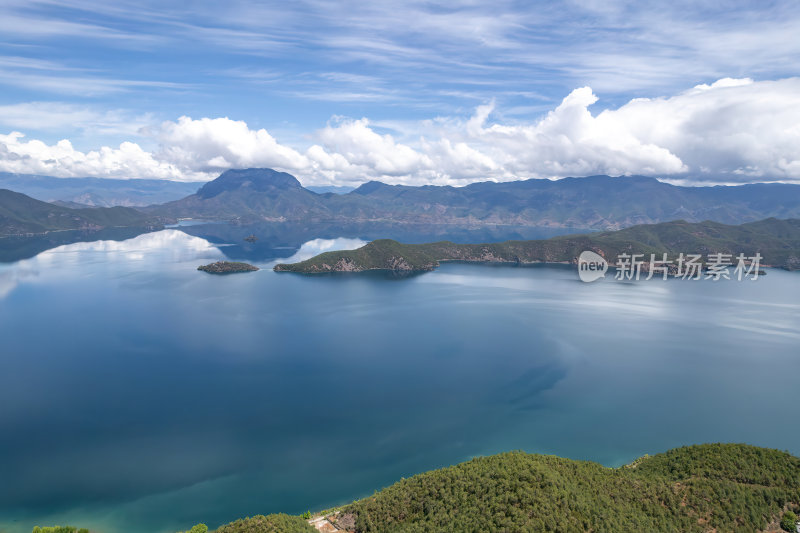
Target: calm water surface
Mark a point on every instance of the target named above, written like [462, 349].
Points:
[138, 394]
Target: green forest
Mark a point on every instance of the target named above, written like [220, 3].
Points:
[720, 487]
[709, 487]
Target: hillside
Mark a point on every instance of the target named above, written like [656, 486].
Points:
[21, 214]
[778, 241]
[595, 202]
[252, 194]
[721, 487]
[703, 488]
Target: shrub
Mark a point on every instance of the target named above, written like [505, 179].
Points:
[789, 521]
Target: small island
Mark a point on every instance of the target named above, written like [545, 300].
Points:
[227, 267]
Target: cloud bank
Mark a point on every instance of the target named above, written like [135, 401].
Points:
[734, 130]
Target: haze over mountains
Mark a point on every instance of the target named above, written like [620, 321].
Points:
[266, 195]
[97, 192]
[595, 202]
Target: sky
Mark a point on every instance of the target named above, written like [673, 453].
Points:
[339, 93]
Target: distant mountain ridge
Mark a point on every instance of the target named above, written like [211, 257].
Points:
[252, 180]
[594, 202]
[97, 192]
[21, 215]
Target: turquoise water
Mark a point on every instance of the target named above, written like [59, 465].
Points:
[139, 395]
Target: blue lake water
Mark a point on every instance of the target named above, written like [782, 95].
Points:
[140, 395]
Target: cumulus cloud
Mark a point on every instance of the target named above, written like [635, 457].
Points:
[61, 159]
[728, 131]
[735, 129]
[568, 141]
[217, 144]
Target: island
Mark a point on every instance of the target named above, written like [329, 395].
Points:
[227, 267]
[778, 242]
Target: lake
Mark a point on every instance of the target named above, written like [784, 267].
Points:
[140, 395]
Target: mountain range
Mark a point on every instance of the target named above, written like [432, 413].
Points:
[247, 196]
[595, 202]
[21, 215]
[97, 192]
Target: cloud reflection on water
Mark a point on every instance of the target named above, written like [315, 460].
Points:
[317, 246]
[164, 247]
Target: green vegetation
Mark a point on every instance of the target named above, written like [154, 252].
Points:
[197, 528]
[274, 523]
[59, 529]
[789, 521]
[383, 254]
[227, 267]
[20, 215]
[709, 487]
[778, 242]
[727, 487]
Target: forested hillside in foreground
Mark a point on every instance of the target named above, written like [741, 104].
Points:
[703, 488]
[699, 488]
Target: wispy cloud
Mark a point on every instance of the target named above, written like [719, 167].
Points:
[410, 61]
[80, 85]
[36, 27]
[55, 116]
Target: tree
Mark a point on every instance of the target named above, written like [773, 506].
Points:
[789, 521]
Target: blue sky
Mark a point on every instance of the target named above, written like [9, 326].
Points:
[348, 91]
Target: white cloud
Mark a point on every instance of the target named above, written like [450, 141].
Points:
[61, 159]
[568, 141]
[48, 116]
[206, 145]
[730, 130]
[361, 146]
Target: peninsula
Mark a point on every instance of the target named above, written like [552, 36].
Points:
[778, 242]
[23, 215]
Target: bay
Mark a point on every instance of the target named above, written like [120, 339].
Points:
[140, 395]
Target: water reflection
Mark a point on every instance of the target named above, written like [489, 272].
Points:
[162, 248]
[314, 247]
[168, 250]
[274, 239]
[16, 248]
